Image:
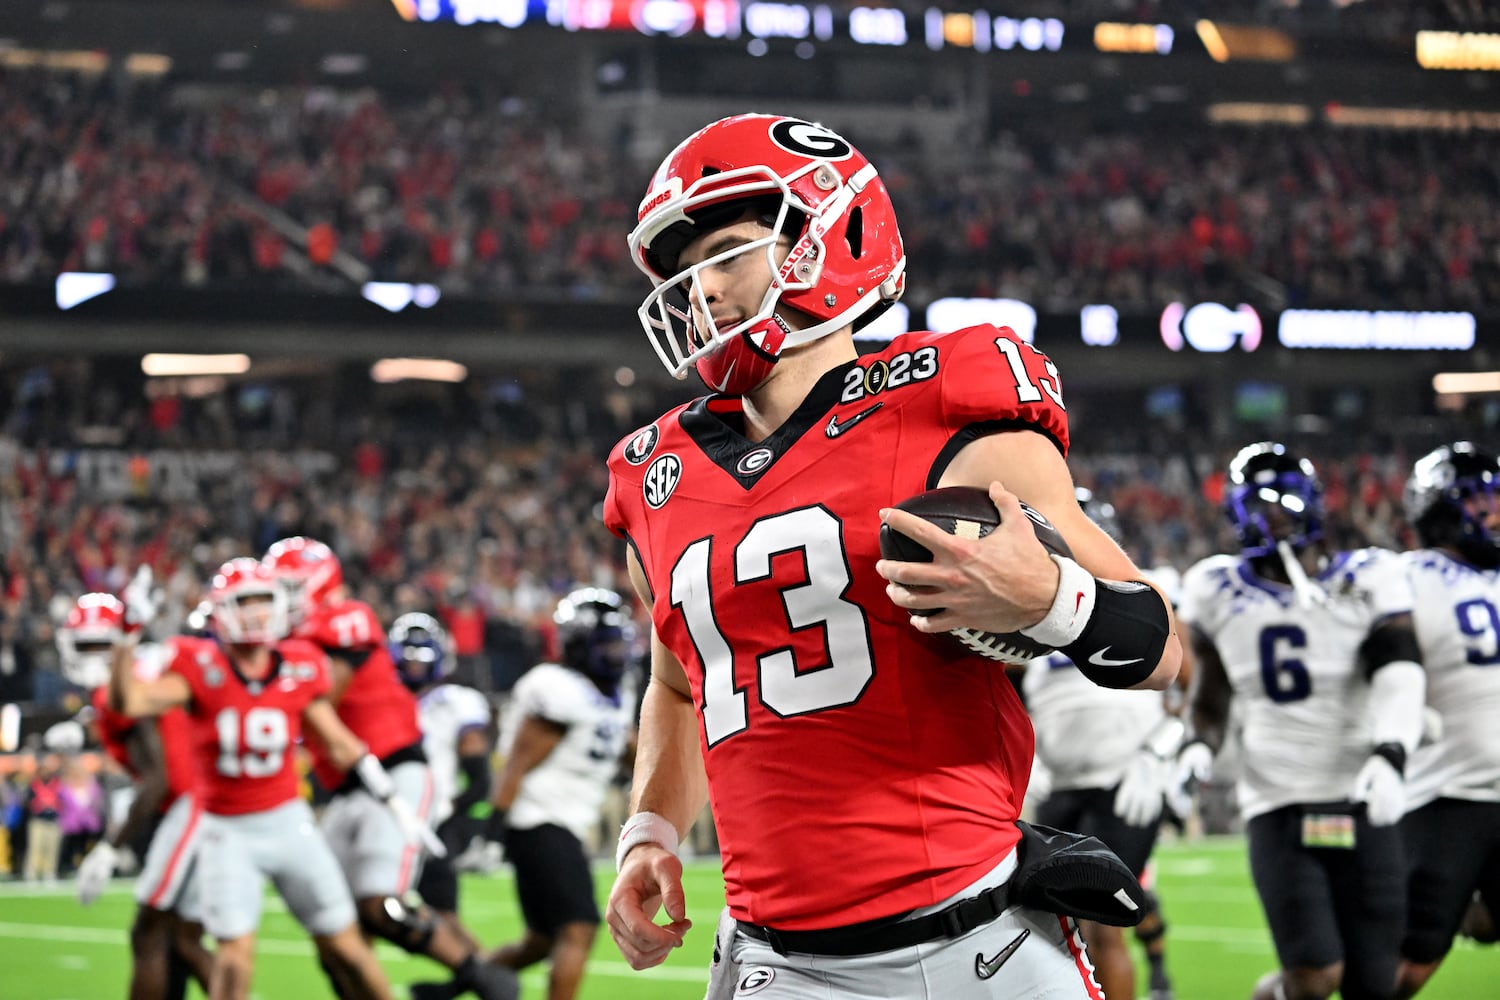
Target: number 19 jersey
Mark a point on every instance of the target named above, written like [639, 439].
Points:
[857, 768]
[244, 730]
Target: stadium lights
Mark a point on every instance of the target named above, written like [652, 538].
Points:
[424, 369]
[1465, 383]
[1225, 42]
[77, 287]
[1468, 50]
[163, 365]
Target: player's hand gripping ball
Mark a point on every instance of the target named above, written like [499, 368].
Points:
[968, 512]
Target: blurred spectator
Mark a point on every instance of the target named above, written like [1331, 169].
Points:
[43, 836]
[80, 814]
[465, 621]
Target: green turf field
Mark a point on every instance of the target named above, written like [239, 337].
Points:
[54, 949]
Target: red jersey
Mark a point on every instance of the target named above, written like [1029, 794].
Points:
[243, 730]
[857, 768]
[175, 731]
[375, 705]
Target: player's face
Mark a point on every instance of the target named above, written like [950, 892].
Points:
[732, 288]
[1484, 507]
[257, 612]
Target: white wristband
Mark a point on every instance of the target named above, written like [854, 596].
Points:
[375, 778]
[645, 828]
[1071, 608]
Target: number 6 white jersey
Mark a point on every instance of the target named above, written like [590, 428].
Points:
[568, 786]
[1458, 625]
[1299, 687]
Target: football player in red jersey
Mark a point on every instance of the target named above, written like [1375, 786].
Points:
[248, 692]
[166, 935]
[866, 771]
[367, 692]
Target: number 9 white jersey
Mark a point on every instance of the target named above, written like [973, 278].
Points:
[1458, 625]
[1298, 685]
[568, 787]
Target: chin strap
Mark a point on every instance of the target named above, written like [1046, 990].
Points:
[1308, 593]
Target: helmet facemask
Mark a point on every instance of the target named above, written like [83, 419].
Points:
[1273, 498]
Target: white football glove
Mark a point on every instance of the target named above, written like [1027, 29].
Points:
[143, 599]
[413, 830]
[1194, 766]
[95, 871]
[1382, 789]
[1138, 800]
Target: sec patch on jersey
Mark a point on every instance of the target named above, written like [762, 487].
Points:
[968, 512]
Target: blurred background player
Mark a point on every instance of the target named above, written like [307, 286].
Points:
[249, 692]
[1106, 758]
[166, 934]
[381, 864]
[455, 735]
[1316, 648]
[1452, 827]
[564, 731]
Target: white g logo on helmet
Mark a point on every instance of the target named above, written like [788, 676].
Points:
[807, 139]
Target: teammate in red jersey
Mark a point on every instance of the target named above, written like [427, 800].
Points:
[248, 692]
[367, 692]
[166, 934]
[865, 771]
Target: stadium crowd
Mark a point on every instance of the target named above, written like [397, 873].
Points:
[480, 505]
[486, 194]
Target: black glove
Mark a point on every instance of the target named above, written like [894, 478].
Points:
[496, 829]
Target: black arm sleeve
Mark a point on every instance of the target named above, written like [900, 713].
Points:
[1390, 641]
[476, 769]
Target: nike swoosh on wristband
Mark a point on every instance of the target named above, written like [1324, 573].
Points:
[985, 968]
[834, 428]
[1098, 659]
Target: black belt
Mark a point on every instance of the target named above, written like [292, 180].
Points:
[888, 933]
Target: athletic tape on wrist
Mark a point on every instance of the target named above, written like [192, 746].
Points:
[645, 828]
[1071, 609]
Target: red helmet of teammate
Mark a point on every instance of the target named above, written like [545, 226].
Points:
[249, 606]
[87, 638]
[308, 572]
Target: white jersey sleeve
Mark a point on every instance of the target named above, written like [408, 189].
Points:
[1085, 734]
[567, 788]
[444, 713]
[1458, 626]
[1299, 687]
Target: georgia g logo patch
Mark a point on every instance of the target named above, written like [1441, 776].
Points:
[661, 480]
[754, 981]
[642, 444]
[812, 141]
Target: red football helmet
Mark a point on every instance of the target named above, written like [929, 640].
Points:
[87, 637]
[308, 571]
[249, 604]
[846, 264]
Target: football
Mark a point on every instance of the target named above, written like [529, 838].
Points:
[968, 512]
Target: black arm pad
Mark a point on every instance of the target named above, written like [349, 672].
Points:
[1123, 641]
[1389, 641]
[476, 769]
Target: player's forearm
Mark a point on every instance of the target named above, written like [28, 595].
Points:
[144, 807]
[128, 695]
[669, 778]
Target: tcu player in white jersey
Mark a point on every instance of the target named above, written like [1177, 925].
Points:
[1107, 754]
[455, 723]
[1452, 827]
[1316, 648]
[562, 737]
